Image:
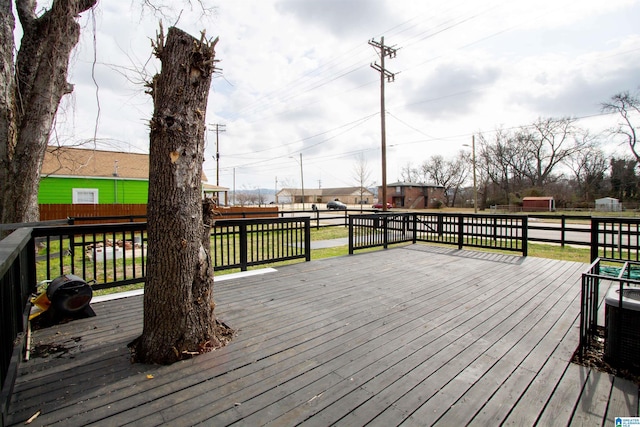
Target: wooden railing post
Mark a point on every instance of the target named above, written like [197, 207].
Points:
[595, 226]
[385, 231]
[351, 220]
[414, 225]
[307, 239]
[460, 231]
[244, 247]
[525, 236]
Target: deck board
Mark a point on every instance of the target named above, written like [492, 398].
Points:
[415, 335]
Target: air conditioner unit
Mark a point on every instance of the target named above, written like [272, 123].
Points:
[622, 328]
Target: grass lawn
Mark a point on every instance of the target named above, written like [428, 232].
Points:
[328, 233]
[568, 253]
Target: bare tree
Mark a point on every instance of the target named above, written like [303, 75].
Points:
[30, 92]
[589, 167]
[545, 145]
[243, 197]
[495, 160]
[362, 175]
[450, 174]
[32, 86]
[262, 198]
[179, 319]
[627, 106]
[250, 197]
[409, 174]
[529, 159]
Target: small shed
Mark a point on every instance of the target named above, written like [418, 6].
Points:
[608, 204]
[539, 204]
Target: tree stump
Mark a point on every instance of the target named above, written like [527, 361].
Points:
[179, 319]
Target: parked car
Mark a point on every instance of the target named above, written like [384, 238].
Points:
[337, 205]
[379, 206]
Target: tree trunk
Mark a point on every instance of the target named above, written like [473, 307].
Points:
[7, 95]
[179, 319]
[27, 109]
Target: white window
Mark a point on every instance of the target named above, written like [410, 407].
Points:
[87, 196]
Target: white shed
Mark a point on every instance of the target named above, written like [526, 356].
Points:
[608, 204]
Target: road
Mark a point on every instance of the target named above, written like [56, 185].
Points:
[583, 236]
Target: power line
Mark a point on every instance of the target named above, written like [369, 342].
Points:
[356, 123]
[315, 79]
[352, 125]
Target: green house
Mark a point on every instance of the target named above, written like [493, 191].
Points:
[81, 176]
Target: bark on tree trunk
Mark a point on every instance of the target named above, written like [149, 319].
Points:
[179, 319]
[7, 95]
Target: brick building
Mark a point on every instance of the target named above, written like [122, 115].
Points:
[414, 195]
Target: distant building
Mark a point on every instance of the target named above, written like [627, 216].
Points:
[608, 204]
[220, 194]
[347, 195]
[414, 195]
[539, 204]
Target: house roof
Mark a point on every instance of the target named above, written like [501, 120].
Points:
[532, 198]
[298, 191]
[346, 191]
[341, 191]
[413, 184]
[81, 162]
[214, 188]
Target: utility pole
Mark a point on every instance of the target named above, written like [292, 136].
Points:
[475, 182]
[389, 76]
[219, 128]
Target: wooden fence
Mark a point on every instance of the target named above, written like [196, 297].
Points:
[51, 212]
[137, 212]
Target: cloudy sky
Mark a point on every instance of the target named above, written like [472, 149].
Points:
[296, 79]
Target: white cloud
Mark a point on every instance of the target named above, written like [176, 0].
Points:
[296, 78]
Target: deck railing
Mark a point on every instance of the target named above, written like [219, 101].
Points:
[562, 229]
[243, 243]
[115, 254]
[17, 282]
[502, 232]
[615, 238]
[375, 230]
[110, 255]
[107, 255]
[614, 272]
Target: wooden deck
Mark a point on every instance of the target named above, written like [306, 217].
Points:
[416, 336]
